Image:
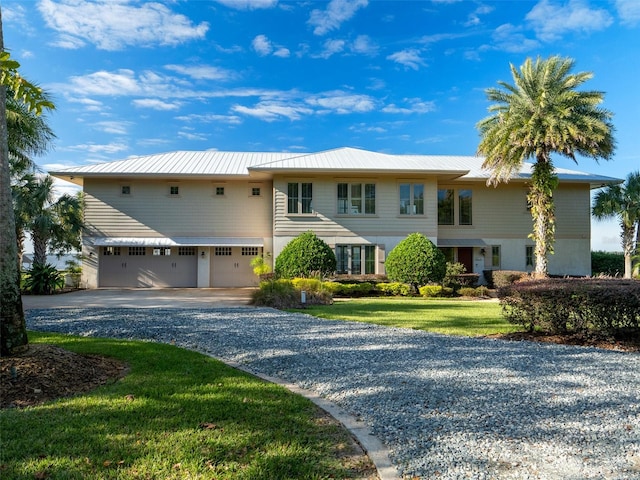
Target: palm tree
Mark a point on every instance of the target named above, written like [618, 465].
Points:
[542, 114]
[623, 202]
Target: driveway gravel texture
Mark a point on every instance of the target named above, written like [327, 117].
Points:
[446, 407]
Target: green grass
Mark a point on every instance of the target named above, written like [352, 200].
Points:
[254, 429]
[449, 316]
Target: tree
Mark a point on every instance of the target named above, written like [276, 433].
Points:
[540, 115]
[623, 202]
[13, 332]
[416, 260]
[304, 256]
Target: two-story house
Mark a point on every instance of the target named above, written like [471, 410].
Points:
[196, 219]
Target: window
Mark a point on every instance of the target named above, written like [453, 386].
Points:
[447, 207]
[174, 190]
[222, 251]
[529, 259]
[449, 254]
[108, 251]
[187, 251]
[162, 251]
[351, 259]
[464, 207]
[250, 251]
[137, 251]
[125, 190]
[495, 256]
[411, 199]
[357, 198]
[299, 198]
[219, 191]
[255, 191]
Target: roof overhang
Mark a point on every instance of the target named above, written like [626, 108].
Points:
[461, 242]
[174, 242]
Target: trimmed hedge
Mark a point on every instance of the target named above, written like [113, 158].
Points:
[394, 288]
[435, 291]
[587, 306]
[504, 278]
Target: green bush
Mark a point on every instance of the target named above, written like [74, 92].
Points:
[504, 278]
[480, 291]
[607, 263]
[435, 291]
[307, 284]
[43, 279]
[394, 288]
[334, 288]
[305, 256]
[284, 293]
[600, 306]
[456, 277]
[417, 261]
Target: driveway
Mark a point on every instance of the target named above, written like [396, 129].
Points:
[143, 298]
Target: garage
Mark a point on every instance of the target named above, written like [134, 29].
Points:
[231, 266]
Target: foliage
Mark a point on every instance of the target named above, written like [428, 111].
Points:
[260, 266]
[435, 291]
[31, 95]
[417, 261]
[504, 278]
[595, 305]
[177, 414]
[397, 289]
[305, 256]
[622, 202]
[480, 291]
[607, 263]
[285, 293]
[444, 315]
[541, 114]
[43, 279]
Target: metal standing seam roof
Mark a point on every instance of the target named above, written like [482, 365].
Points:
[216, 163]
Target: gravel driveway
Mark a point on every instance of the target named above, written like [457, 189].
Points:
[447, 407]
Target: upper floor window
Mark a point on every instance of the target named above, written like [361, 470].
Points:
[411, 199]
[255, 191]
[357, 198]
[220, 191]
[447, 201]
[125, 189]
[299, 198]
[174, 190]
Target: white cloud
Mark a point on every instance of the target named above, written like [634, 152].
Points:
[337, 12]
[271, 111]
[109, 148]
[210, 118]
[192, 136]
[414, 105]
[202, 72]
[331, 47]
[364, 45]
[118, 128]
[550, 21]
[282, 52]
[509, 38]
[341, 102]
[410, 58]
[262, 45]
[248, 4]
[629, 11]
[155, 104]
[114, 25]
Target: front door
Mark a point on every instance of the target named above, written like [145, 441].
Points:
[465, 257]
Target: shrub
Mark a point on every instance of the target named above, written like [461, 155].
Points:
[417, 261]
[260, 267]
[43, 279]
[334, 288]
[356, 289]
[307, 284]
[480, 291]
[607, 263]
[457, 277]
[283, 294]
[596, 305]
[305, 256]
[394, 288]
[435, 291]
[504, 278]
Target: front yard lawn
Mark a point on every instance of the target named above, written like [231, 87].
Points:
[448, 316]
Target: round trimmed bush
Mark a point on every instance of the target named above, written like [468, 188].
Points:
[417, 261]
[305, 256]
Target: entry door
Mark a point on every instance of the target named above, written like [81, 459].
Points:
[465, 257]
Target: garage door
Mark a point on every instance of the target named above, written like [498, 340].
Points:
[148, 267]
[231, 266]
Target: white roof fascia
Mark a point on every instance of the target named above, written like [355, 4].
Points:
[174, 242]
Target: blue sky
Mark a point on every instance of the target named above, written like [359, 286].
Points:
[406, 77]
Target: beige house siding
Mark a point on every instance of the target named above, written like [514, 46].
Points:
[150, 211]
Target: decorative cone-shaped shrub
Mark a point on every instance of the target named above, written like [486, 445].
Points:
[417, 261]
[304, 256]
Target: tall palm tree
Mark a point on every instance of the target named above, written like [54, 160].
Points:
[54, 225]
[623, 202]
[542, 114]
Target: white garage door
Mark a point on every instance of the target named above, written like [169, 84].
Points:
[231, 266]
[148, 267]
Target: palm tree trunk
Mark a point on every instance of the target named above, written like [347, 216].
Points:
[543, 211]
[39, 248]
[13, 330]
[627, 248]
